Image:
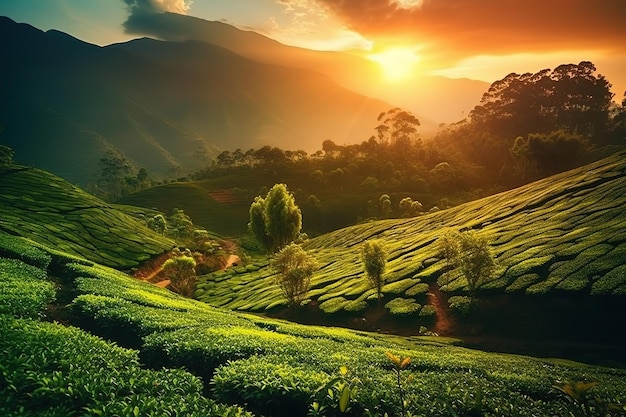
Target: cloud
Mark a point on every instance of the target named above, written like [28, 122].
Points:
[457, 29]
[158, 6]
[147, 17]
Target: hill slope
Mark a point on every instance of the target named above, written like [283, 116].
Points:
[168, 106]
[49, 211]
[272, 368]
[559, 237]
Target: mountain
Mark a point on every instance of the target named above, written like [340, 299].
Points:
[434, 99]
[167, 106]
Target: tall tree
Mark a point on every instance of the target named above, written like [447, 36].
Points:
[570, 97]
[374, 258]
[275, 220]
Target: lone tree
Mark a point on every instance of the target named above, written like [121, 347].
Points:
[471, 255]
[275, 220]
[181, 272]
[374, 257]
[295, 268]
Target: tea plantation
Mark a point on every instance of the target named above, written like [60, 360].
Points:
[187, 358]
[51, 212]
[78, 337]
[563, 235]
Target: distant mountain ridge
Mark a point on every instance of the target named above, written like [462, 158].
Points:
[434, 99]
[167, 106]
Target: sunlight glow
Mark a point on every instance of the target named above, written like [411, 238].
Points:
[397, 63]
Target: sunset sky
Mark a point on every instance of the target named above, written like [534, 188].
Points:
[478, 39]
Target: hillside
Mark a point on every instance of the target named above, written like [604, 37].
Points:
[79, 338]
[168, 106]
[559, 243]
[50, 212]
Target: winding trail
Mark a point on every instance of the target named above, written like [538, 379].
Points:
[444, 322]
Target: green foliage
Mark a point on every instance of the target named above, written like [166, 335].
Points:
[267, 387]
[24, 289]
[61, 218]
[295, 268]
[374, 258]
[20, 248]
[399, 364]
[410, 208]
[403, 306]
[6, 155]
[461, 304]
[470, 254]
[275, 220]
[181, 272]
[180, 226]
[340, 390]
[49, 369]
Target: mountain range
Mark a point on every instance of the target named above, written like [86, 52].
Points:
[171, 106]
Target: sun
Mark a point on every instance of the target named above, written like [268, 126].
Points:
[397, 63]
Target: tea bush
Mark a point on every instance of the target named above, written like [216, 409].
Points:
[51, 370]
[24, 289]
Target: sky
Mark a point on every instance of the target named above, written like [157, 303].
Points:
[478, 39]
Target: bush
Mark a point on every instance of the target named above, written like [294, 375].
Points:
[51, 370]
[268, 388]
[24, 290]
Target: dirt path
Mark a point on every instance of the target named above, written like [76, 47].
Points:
[233, 260]
[444, 323]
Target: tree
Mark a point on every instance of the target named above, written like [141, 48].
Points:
[158, 223]
[541, 155]
[275, 220]
[181, 272]
[6, 155]
[471, 255]
[570, 97]
[295, 268]
[410, 208]
[384, 203]
[374, 257]
[180, 226]
[115, 168]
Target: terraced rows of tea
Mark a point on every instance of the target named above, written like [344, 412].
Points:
[50, 211]
[136, 349]
[563, 234]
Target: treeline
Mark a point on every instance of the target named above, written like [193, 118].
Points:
[526, 127]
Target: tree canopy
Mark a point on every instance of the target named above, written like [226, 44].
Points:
[275, 220]
[295, 268]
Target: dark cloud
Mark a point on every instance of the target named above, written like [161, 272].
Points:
[150, 17]
[461, 28]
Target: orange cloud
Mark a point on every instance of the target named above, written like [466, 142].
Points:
[456, 29]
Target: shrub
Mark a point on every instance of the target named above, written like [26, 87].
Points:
[24, 290]
[268, 388]
[52, 370]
